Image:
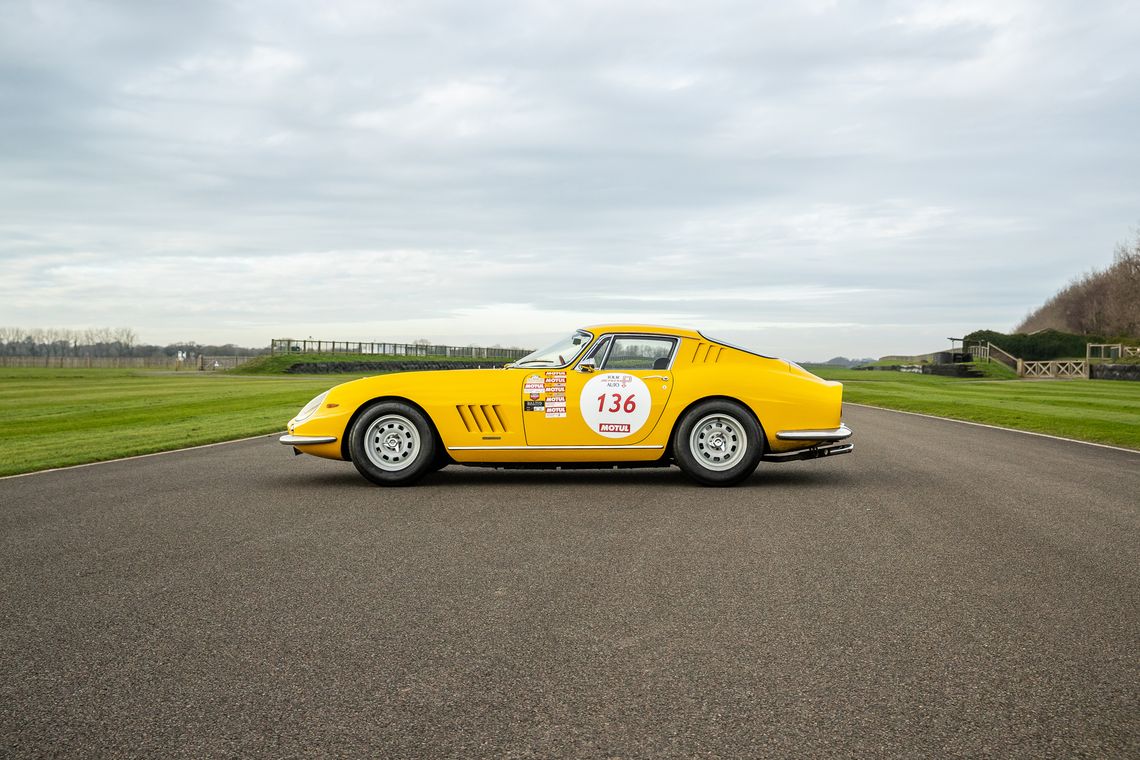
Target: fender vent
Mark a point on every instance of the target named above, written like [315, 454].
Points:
[481, 418]
[707, 353]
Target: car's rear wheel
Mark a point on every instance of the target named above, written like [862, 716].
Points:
[392, 444]
[718, 443]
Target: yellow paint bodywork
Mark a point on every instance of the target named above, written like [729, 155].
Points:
[479, 414]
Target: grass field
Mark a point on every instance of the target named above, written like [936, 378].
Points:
[1101, 411]
[58, 417]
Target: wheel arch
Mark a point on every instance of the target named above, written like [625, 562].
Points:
[346, 454]
[696, 402]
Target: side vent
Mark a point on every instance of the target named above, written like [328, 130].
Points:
[707, 353]
[481, 418]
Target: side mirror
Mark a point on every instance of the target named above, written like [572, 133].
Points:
[588, 365]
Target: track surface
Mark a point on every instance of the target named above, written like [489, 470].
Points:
[944, 591]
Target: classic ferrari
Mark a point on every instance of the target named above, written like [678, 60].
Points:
[604, 396]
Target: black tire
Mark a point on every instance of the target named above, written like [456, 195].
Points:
[392, 444]
[441, 459]
[718, 443]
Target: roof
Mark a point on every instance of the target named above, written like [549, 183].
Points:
[645, 329]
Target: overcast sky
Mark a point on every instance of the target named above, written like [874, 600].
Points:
[809, 179]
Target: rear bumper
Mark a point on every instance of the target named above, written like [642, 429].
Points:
[815, 452]
[835, 434]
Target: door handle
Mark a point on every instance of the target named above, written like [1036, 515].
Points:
[663, 378]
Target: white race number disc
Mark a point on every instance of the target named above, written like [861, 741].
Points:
[615, 404]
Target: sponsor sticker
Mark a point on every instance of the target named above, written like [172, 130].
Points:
[534, 387]
[556, 407]
[533, 406]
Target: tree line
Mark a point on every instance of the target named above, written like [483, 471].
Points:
[1097, 303]
[100, 342]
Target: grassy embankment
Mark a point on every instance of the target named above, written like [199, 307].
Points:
[58, 417]
[1101, 411]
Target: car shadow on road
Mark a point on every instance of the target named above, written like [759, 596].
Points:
[458, 476]
[665, 477]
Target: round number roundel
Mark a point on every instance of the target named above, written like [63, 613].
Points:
[615, 404]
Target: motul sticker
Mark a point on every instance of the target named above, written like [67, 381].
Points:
[614, 427]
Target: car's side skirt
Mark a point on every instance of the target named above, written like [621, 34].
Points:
[590, 453]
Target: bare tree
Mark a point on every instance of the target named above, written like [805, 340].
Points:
[1105, 303]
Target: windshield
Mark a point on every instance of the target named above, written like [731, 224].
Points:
[557, 355]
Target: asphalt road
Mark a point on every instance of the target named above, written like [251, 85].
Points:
[944, 591]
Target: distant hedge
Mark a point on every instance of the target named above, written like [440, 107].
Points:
[1043, 345]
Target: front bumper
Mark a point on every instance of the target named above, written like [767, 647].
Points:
[306, 440]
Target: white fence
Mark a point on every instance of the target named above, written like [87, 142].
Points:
[1054, 369]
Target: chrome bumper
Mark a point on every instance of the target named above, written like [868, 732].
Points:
[306, 440]
[836, 434]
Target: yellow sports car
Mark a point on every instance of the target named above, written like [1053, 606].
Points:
[604, 396]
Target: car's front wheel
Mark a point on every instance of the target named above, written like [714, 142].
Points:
[718, 443]
[392, 444]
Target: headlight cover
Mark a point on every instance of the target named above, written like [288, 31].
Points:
[311, 408]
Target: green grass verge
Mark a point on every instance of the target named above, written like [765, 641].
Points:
[59, 417]
[995, 370]
[1101, 411]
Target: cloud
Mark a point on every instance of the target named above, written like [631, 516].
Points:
[819, 178]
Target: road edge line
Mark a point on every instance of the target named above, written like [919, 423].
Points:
[995, 427]
[137, 456]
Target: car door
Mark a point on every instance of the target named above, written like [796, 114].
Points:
[614, 396]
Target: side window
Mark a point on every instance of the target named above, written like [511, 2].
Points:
[640, 353]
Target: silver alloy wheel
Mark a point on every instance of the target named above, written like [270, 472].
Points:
[718, 442]
[392, 442]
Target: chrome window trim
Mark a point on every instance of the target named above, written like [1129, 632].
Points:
[655, 336]
[573, 362]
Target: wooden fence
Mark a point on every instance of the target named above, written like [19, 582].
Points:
[218, 363]
[1110, 351]
[96, 362]
[289, 345]
[1064, 369]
